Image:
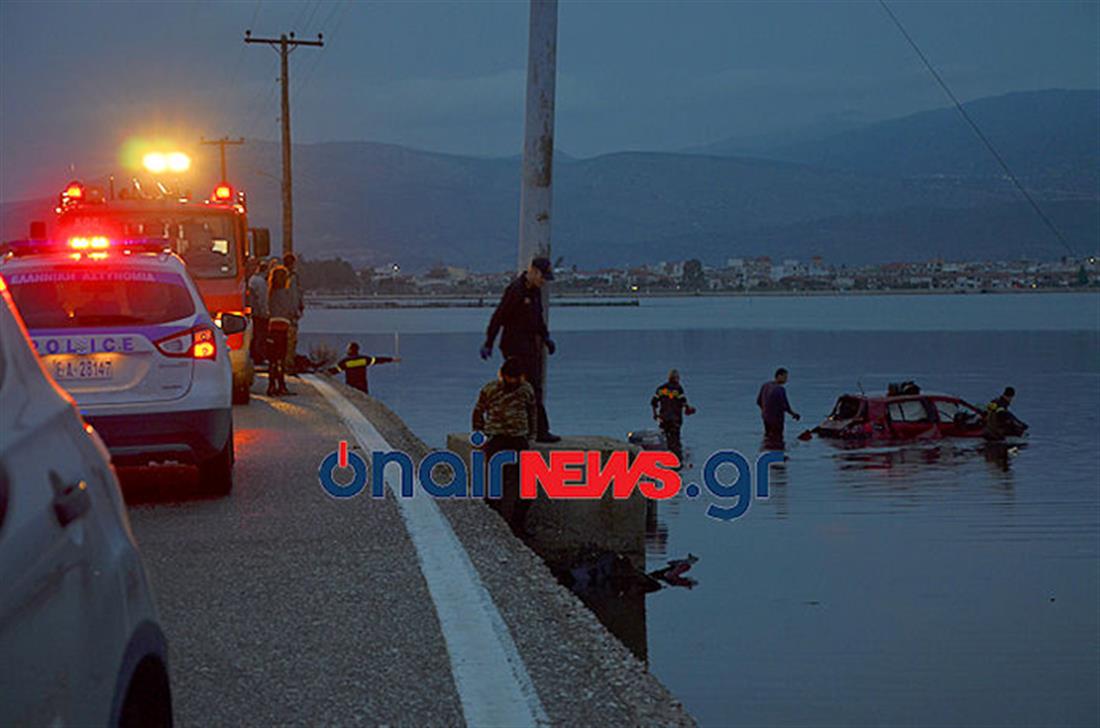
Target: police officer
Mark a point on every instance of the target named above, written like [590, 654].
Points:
[520, 315]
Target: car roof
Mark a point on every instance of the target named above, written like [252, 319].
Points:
[163, 261]
[902, 397]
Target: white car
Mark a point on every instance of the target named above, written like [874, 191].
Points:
[121, 326]
[80, 643]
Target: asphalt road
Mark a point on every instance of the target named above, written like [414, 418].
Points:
[284, 606]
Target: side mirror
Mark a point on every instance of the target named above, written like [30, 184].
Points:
[38, 230]
[233, 323]
[261, 242]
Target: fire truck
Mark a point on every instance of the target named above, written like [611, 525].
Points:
[211, 235]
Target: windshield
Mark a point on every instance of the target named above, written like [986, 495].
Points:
[207, 241]
[85, 297]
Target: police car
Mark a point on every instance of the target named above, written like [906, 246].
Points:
[121, 326]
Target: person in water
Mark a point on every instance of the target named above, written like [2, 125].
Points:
[669, 405]
[999, 420]
[354, 366]
[774, 407]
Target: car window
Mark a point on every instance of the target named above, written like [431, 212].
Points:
[88, 297]
[207, 241]
[911, 410]
[946, 410]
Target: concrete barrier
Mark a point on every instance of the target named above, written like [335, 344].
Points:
[560, 530]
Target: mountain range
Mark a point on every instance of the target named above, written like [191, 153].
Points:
[910, 188]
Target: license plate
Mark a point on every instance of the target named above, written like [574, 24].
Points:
[82, 368]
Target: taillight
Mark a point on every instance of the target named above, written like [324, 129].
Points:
[196, 343]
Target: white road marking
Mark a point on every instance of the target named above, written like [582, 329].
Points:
[490, 675]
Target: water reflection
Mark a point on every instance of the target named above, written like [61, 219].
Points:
[872, 578]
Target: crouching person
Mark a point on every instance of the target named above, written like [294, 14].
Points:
[506, 413]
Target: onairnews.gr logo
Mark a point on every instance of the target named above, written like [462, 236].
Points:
[561, 475]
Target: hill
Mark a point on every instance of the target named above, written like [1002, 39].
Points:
[906, 189]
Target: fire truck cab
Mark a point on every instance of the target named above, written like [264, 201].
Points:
[211, 236]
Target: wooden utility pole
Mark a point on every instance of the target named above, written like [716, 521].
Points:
[222, 144]
[285, 44]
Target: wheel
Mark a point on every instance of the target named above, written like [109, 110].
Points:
[241, 393]
[216, 473]
[148, 697]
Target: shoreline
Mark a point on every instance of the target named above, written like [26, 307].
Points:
[634, 298]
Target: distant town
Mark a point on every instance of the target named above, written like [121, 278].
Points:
[760, 275]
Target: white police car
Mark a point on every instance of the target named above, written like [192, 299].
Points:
[121, 326]
[80, 642]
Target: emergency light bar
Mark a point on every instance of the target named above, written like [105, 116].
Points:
[95, 246]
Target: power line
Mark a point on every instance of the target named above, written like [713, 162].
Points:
[973, 125]
[308, 76]
[285, 44]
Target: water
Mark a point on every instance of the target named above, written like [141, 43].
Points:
[907, 585]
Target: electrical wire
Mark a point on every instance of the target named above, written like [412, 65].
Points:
[977, 130]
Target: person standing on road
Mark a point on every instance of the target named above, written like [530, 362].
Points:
[294, 285]
[282, 308]
[669, 405]
[506, 413]
[257, 299]
[520, 315]
[774, 408]
[354, 366]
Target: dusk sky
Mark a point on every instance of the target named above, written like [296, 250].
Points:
[77, 79]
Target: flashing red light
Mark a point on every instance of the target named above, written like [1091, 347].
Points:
[196, 343]
[74, 191]
[223, 192]
[97, 242]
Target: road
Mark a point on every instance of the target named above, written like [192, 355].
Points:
[284, 606]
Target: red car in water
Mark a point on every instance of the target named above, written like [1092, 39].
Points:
[902, 416]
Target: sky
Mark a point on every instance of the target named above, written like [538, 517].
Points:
[78, 79]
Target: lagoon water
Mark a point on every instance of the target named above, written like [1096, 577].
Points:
[921, 585]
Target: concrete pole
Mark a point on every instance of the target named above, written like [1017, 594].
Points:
[538, 143]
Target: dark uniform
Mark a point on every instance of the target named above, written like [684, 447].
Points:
[1000, 422]
[519, 314]
[669, 403]
[774, 407]
[355, 369]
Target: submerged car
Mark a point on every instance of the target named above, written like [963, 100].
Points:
[903, 413]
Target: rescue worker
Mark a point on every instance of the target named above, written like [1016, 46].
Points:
[999, 421]
[669, 405]
[257, 300]
[520, 315]
[354, 366]
[774, 408]
[294, 285]
[506, 412]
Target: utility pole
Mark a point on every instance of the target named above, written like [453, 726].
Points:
[285, 44]
[222, 144]
[538, 143]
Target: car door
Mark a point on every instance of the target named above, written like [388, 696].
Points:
[49, 625]
[911, 419]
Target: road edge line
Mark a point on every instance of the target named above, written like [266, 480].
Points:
[490, 676]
